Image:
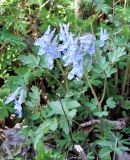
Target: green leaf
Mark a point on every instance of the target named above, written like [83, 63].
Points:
[56, 108]
[66, 105]
[64, 125]
[72, 113]
[35, 116]
[105, 153]
[35, 97]
[109, 71]
[49, 124]
[37, 140]
[4, 110]
[111, 103]
[102, 6]
[126, 105]
[38, 2]
[8, 37]
[43, 62]
[54, 125]
[92, 105]
[101, 114]
[14, 82]
[30, 60]
[116, 55]
[71, 104]
[104, 143]
[102, 64]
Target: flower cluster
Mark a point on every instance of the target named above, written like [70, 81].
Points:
[48, 47]
[17, 101]
[71, 48]
[72, 52]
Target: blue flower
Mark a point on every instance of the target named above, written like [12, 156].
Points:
[91, 49]
[72, 53]
[48, 47]
[65, 37]
[71, 48]
[17, 103]
[18, 108]
[87, 43]
[77, 70]
[64, 32]
[12, 96]
[103, 37]
[44, 41]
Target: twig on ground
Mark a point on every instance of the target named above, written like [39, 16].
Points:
[117, 125]
[81, 152]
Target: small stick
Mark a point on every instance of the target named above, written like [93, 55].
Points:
[118, 125]
[81, 152]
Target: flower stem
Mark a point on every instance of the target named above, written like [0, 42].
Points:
[96, 98]
[64, 75]
[104, 91]
[116, 82]
[125, 77]
[67, 119]
[93, 92]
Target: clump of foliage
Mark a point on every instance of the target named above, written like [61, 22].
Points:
[70, 86]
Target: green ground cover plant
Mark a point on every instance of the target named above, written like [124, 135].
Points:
[65, 79]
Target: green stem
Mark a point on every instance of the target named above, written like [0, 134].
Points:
[98, 102]
[104, 91]
[113, 5]
[116, 81]
[93, 92]
[64, 75]
[125, 77]
[128, 88]
[92, 28]
[40, 8]
[67, 120]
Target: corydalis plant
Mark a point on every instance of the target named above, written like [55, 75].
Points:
[71, 48]
[17, 100]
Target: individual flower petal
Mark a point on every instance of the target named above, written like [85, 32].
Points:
[103, 37]
[18, 108]
[53, 49]
[91, 49]
[101, 43]
[71, 75]
[18, 103]
[76, 71]
[12, 97]
[65, 37]
[49, 61]
[21, 92]
[64, 32]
